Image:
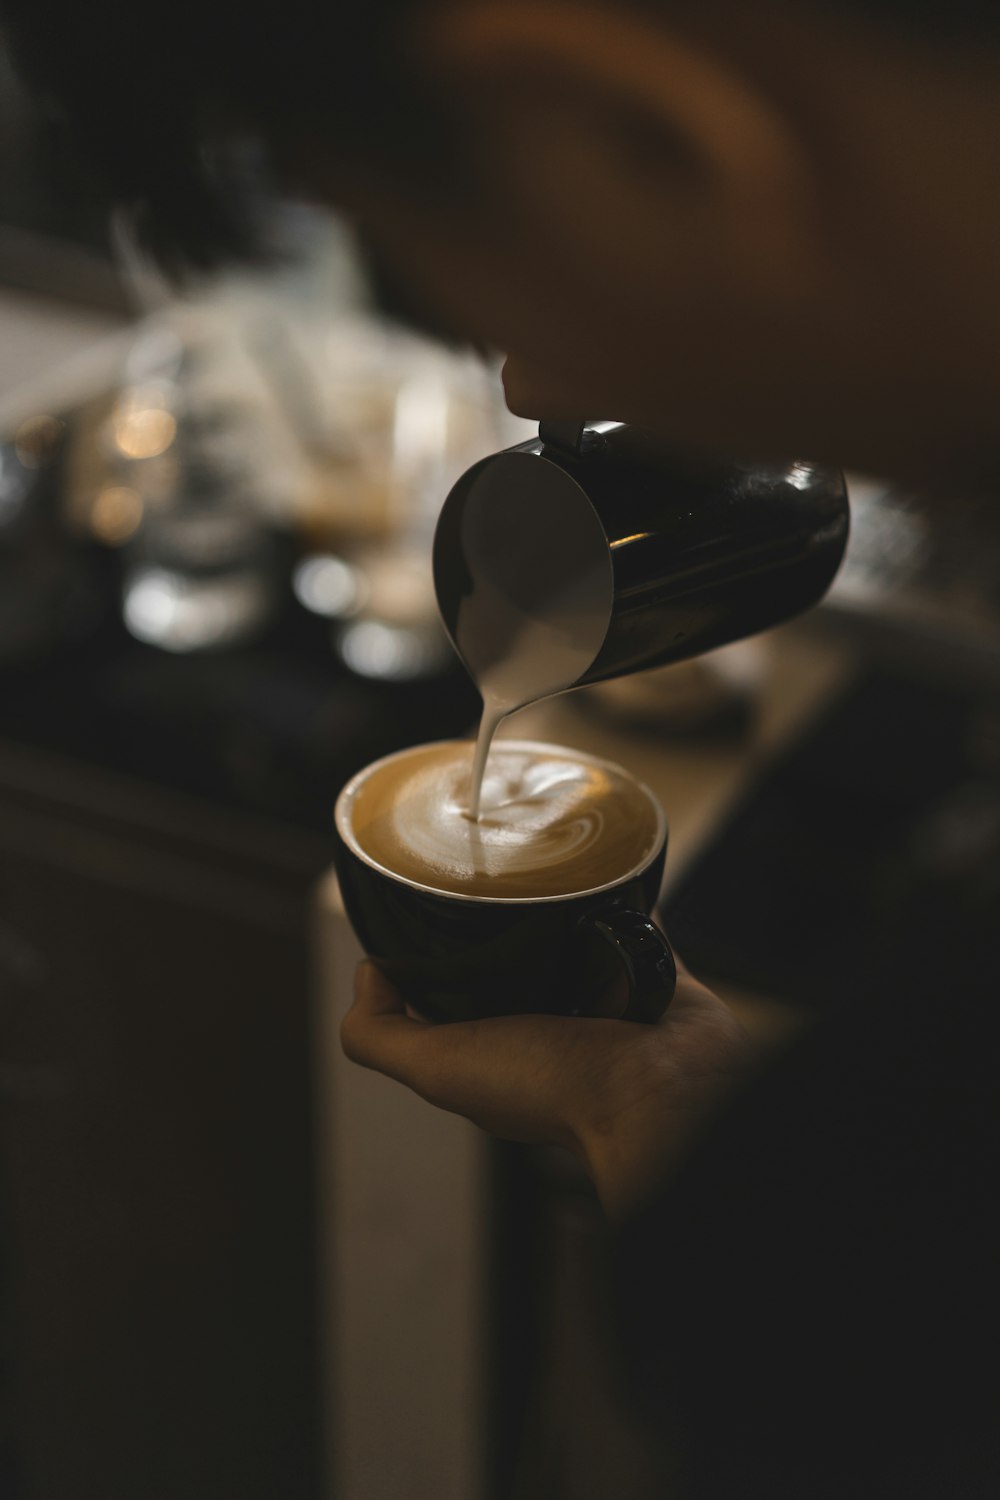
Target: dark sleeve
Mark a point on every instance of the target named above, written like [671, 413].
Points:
[811, 1310]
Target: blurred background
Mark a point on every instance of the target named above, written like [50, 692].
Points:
[232, 1267]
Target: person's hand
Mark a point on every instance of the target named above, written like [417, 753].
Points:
[624, 1097]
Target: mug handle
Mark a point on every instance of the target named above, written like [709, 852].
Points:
[647, 958]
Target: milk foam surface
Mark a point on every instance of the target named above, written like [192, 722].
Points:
[551, 822]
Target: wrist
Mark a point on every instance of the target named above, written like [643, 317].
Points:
[632, 1154]
[625, 1171]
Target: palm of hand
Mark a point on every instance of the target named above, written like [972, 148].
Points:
[625, 1098]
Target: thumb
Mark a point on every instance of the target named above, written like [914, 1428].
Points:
[373, 994]
[377, 1032]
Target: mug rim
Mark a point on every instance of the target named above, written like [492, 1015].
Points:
[346, 833]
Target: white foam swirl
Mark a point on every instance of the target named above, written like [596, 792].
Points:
[541, 812]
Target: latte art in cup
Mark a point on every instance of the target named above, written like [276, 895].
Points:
[553, 822]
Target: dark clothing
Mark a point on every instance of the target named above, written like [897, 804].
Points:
[813, 1308]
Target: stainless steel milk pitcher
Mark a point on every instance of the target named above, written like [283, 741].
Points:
[643, 559]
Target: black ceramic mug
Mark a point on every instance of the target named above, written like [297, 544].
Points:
[462, 957]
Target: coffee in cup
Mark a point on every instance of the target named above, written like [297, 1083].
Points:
[540, 904]
[551, 822]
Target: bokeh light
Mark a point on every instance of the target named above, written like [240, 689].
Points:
[116, 514]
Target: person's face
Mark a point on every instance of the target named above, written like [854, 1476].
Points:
[652, 233]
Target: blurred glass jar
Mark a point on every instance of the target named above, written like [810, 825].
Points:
[205, 574]
[403, 420]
